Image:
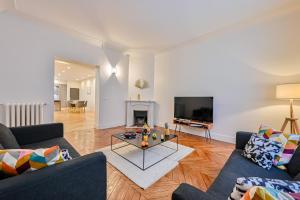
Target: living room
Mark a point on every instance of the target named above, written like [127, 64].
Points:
[152, 61]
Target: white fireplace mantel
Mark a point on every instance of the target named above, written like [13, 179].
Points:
[143, 105]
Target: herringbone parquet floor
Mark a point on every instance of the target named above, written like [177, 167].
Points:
[198, 169]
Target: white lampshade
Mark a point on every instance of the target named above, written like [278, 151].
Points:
[288, 91]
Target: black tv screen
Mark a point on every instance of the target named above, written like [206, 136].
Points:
[194, 108]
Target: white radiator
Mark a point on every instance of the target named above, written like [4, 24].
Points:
[24, 114]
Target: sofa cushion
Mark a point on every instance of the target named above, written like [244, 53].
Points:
[7, 139]
[294, 165]
[262, 151]
[237, 166]
[267, 132]
[61, 142]
[266, 193]
[245, 183]
[17, 161]
[288, 150]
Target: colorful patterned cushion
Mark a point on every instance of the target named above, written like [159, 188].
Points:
[289, 143]
[262, 151]
[243, 184]
[17, 161]
[296, 196]
[263, 193]
[267, 132]
[288, 149]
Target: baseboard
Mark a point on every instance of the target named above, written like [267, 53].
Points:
[214, 136]
[110, 125]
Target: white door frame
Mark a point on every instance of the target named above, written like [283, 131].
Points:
[97, 98]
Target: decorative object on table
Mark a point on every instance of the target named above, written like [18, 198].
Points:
[144, 139]
[147, 128]
[130, 135]
[140, 84]
[289, 92]
[167, 130]
[245, 183]
[162, 137]
[144, 144]
[144, 132]
[139, 130]
[262, 151]
[154, 136]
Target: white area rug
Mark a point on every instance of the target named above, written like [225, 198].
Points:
[146, 178]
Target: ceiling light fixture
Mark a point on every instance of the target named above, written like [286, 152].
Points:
[68, 67]
[114, 70]
[63, 71]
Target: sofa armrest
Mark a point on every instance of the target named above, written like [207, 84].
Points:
[33, 134]
[242, 139]
[77, 179]
[188, 192]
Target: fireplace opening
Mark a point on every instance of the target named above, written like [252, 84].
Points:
[140, 117]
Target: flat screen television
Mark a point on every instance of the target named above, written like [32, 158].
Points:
[194, 108]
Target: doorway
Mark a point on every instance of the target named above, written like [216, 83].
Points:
[74, 95]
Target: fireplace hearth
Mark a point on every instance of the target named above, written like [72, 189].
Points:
[140, 117]
[139, 112]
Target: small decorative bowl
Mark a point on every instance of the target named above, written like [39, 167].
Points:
[130, 135]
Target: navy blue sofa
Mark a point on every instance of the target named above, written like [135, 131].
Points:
[83, 177]
[237, 166]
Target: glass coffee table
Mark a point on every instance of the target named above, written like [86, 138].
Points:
[136, 142]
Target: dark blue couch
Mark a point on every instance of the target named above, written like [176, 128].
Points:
[83, 177]
[237, 166]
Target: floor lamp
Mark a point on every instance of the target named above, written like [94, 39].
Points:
[289, 92]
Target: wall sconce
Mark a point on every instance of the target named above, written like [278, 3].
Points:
[114, 70]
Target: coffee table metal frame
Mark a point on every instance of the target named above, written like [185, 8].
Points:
[144, 150]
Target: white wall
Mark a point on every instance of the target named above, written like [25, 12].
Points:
[240, 69]
[114, 90]
[73, 84]
[87, 93]
[27, 52]
[141, 66]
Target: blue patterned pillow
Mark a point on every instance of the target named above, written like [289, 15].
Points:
[262, 151]
[243, 184]
[65, 154]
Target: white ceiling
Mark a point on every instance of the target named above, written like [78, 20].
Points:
[151, 24]
[68, 71]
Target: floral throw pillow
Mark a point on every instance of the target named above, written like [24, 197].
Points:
[262, 151]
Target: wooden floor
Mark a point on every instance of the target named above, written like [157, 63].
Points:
[198, 169]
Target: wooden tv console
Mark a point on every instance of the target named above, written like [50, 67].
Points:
[195, 124]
